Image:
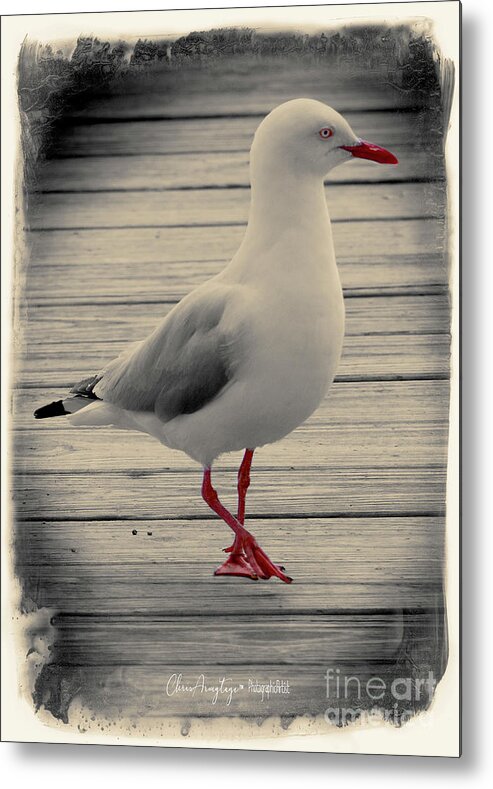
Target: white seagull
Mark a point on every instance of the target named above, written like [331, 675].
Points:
[250, 354]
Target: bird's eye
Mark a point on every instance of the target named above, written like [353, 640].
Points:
[325, 133]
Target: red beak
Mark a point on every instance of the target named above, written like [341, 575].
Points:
[368, 150]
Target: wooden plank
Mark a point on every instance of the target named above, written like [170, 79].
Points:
[242, 76]
[223, 134]
[249, 73]
[192, 589]
[373, 357]
[213, 170]
[366, 315]
[315, 639]
[81, 262]
[133, 583]
[149, 495]
[78, 280]
[367, 403]
[353, 241]
[149, 567]
[214, 102]
[342, 550]
[309, 446]
[226, 206]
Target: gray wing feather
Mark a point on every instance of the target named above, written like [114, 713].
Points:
[182, 365]
[86, 387]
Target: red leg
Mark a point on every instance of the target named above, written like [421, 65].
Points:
[250, 560]
[243, 484]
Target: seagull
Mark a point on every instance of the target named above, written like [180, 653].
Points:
[250, 354]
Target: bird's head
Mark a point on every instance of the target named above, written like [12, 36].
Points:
[310, 138]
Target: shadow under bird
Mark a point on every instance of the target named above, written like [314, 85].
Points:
[250, 354]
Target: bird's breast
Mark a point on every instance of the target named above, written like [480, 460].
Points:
[299, 341]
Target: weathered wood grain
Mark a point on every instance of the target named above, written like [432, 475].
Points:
[207, 135]
[98, 584]
[254, 73]
[360, 241]
[166, 577]
[214, 170]
[428, 314]
[328, 543]
[149, 495]
[148, 567]
[142, 264]
[220, 102]
[212, 82]
[371, 357]
[226, 641]
[193, 589]
[348, 404]
[223, 206]
[300, 641]
[78, 280]
[310, 446]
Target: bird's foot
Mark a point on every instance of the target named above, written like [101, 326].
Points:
[236, 564]
[247, 558]
[260, 562]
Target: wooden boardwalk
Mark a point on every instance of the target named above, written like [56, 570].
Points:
[145, 196]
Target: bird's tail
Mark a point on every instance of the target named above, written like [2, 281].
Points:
[63, 407]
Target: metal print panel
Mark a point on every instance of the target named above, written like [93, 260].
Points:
[233, 388]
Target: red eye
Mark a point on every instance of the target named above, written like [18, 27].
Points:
[325, 133]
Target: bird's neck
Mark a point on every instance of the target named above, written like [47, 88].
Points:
[288, 236]
[288, 241]
[285, 202]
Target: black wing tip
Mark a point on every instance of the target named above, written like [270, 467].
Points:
[52, 409]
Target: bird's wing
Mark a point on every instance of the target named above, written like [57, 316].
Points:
[185, 363]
